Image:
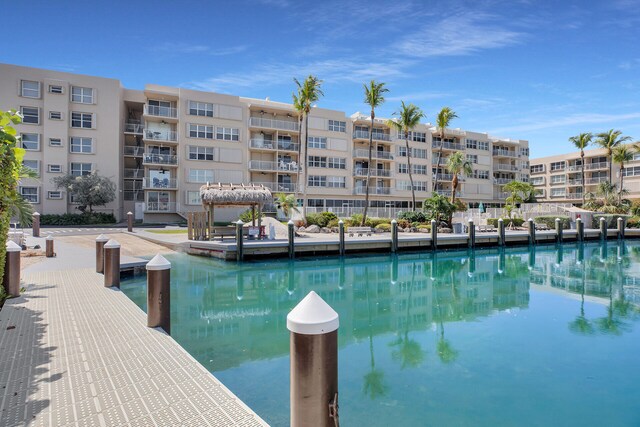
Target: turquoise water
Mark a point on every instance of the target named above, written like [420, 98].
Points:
[489, 338]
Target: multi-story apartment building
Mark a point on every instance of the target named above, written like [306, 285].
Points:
[162, 143]
[559, 178]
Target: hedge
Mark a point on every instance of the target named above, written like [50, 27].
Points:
[550, 221]
[383, 227]
[611, 219]
[321, 219]
[516, 222]
[78, 219]
[633, 222]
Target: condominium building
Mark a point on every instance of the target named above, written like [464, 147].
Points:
[162, 143]
[559, 178]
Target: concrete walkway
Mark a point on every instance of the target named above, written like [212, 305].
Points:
[73, 352]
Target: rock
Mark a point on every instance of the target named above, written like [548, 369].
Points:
[335, 229]
[301, 229]
[325, 230]
[400, 230]
[445, 230]
[312, 229]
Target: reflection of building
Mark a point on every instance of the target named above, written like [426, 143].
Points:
[227, 313]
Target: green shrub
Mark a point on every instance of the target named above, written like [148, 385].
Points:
[424, 227]
[247, 216]
[383, 227]
[321, 219]
[413, 216]
[635, 209]
[78, 219]
[373, 222]
[333, 223]
[550, 221]
[633, 222]
[516, 222]
[611, 219]
[403, 223]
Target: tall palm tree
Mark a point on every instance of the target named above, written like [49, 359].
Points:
[287, 203]
[408, 118]
[458, 164]
[621, 155]
[443, 120]
[582, 141]
[609, 140]
[298, 105]
[373, 96]
[309, 92]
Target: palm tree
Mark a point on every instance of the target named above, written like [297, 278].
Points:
[609, 140]
[373, 96]
[374, 385]
[287, 202]
[298, 105]
[443, 120]
[309, 92]
[621, 154]
[582, 141]
[408, 118]
[458, 164]
[409, 352]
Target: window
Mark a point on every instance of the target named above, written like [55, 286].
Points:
[55, 89]
[536, 168]
[81, 120]
[30, 89]
[406, 185]
[193, 198]
[54, 195]
[30, 194]
[336, 182]
[557, 166]
[419, 136]
[79, 169]
[539, 180]
[201, 131]
[483, 145]
[337, 126]
[82, 95]
[418, 153]
[30, 141]
[472, 144]
[524, 152]
[30, 115]
[317, 181]
[200, 175]
[200, 153]
[480, 174]
[317, 162]
[200, 109]
[228, 134]
[317, 142]
[337, 163]
[81, 145]
[473, 158]
[558, 192]
[55, 115]
[419, 169]
[402, 151]
[54, 168]
[403, 168]
[558, 179]
[32, 164]
[55, 142]
[632, 171]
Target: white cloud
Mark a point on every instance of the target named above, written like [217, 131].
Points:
[570, 120]
[186, 48]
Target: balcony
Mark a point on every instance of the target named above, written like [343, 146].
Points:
[503, 181]
[160, 159]
[133, 151]
[505, 167]
[593, 166]
[135, 196]
[447, 193]
[133, 127]
[572, 196]
[443, 176]
[372, 190]
[283, 187]
[260, 144]
[377, 136]
[133, 173]
[501, 195]
[261, 165]
[158, 111]
[504, 153]
[155, 183]
[447, 145]
[166, 136]
[160, 207]
[540, 182]
[259, 122]
[434, 160]
[375, 154]
[374, 172]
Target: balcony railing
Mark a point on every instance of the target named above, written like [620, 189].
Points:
[505, 167]
[160, 207]
[160, 159]
[274, 124]
[165, 183]
[288, 146]
[443, 176]
[133, 151]
[285, 187]
[273, 166]
[136, 128]
[447, 145]
[600, 165]
[158, 111]
[378, 136]
[541, 182]
[271, 145]
[374, 172]
[133, 173]
[501, 195]
[134, 195]
[171, 136]
[447, 193]
[502, 181]
[361, 153]
[434, 159]
[372, 190]
[505, 153]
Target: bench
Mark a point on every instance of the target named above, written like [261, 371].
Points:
[227, 231]
[542, 227]
[486, 228]
[360, 231]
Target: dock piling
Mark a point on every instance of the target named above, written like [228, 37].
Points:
[580, 229]
[603, 228]
[341, 236]
[558, 230]
[35, 227]
[239, 241]
[394, 236]
[159, 293]
[130, 222]
[292, 250]
[100, 241]
[472, 234]
[621, 225]
[532, 232]
[501, 233]
[434, 235]
[11, 279]
[112, 264]
[49, 252]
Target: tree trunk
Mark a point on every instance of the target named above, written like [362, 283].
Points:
[583, 177]
[610, 165]
[413, 191]
[368, 182]
[297, 185]
[621, 182]
[305, 168]
[435, 184]
[454, 183]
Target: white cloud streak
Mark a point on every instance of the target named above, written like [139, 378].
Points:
[570, 120]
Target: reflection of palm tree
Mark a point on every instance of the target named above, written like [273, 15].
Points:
[581, 324]
[611, 324]
[374, 385]
[446, 352]
[409, 352]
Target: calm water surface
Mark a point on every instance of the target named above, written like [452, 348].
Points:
[490, 338]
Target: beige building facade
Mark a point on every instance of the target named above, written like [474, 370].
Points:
[162, 143]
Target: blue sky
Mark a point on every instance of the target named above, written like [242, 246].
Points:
[536, 70]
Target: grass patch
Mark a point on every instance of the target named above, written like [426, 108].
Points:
[161, 231]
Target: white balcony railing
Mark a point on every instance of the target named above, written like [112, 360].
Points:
[600, 165]
[160, 207]
[376, 154]
[447, 193]
[160, 159]
[285, 187]
[133, 151]
[504, 153]
[378, 136]
[502, 181]
[505, 167]
[501, 195]
[262, 144]
[372, 190]
[158, 111]
[374, 172]
[443, 176]
[171, 136]
[154, 183]
[434, 159]
[274, 124]
[273, 166]
[136, 128]
[447, 145]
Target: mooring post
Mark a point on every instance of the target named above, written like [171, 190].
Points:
[11, 278]
[239, 241]
[559, 255]
[313, 347]
[603, 228]
[532, 257]
[434, 235]
[580, 254]
[292, 233]
[532, 232]
[341, 248]
[621, 225]
[472, 234]
[501, 233]
[558, 230]
[48, 252]
[502, 260]
[130, 222]
[100, 241]
[112, 264]
[580, 229]
[159, 293]
[472, 263]
[394, 236]
[35, 227]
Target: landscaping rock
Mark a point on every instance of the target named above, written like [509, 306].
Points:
[325, 230]
[335, 229]
[312, 229]
[301, 229]
[445, 230]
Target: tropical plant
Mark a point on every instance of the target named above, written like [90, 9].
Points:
[607, 199]
[408, 118]
[621, 155]
[298, 105]
[287, 203]
[88, 190]
[609, 140]
[250, 215]
[309, 92]
[457, 164]
[443, 120]
[582, 141]
[374, 97]
[438, 207]
[519, 192]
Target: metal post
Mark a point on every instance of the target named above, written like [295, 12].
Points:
[313, 327]
[501, 233]
[472, 234]
[11, 279]
[49, 253]
[434, 235]
[112, 264]
[532, 232]
[292, 250]
[36, 224]
[580, 253]
[394, 236]
[130, 222]
[239, 241]
[558, 230]
[580, 229]
[603, 228]
[100, 241]
[621, 227]
[341, 236]
[159, 293]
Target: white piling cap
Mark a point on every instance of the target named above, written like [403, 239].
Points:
[158, 262]
[470, 219]
[557, 219]
[531, 219]
[312, 316]
[602, 218]
[239, 222]
[341, 222]
[112, 244]
[433, 220]
[393, 221]
[577, 219]
[102, 238]
[13, 247]
[129, 213]
[49, 237]
[290, 222]
[36, 214]
[500, 220]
